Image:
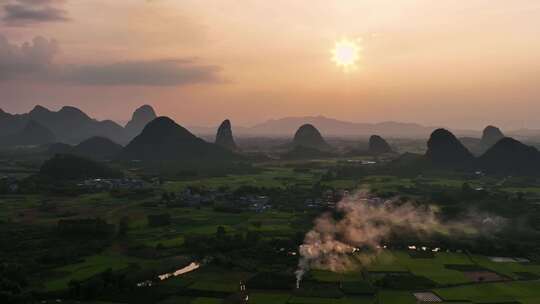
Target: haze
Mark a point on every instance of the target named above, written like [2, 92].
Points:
[455, 63]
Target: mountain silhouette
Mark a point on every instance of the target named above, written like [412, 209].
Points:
[33, 134]
[69, 124]
[97, 148]
[70, 167]
[58, 148]
[72, 125]
[164, 140]
[334, 127]
[3, 114]
[446, 150]
[490, 136]
[378, 145]
[509, 156]
[140, 118]
[474, 145]
[307, 136]
[224, 136]
[11, 124]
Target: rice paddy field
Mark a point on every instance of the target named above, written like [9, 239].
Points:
[458, 289]
[451, 286]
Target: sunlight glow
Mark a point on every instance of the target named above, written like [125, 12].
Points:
[346, 53]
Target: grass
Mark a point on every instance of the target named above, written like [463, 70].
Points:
[431, 268]
[395, 297]
[386, 261]
[341, 184]
[531, 190]
[271, 177]
[91, 266]
[524, 292]
[268, 298]
[386, 183]
[205, 221]
[214, 285]
[508, 269]
[345, 300]
[358, 288]
[177, 300]
[175, 241]
[206, 301]
[434, 268]
[214, 279]
[15, 205]
[329, 276]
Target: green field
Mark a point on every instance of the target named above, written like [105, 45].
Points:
[270, 177]
[154, 249]
[269, 298]
[89, 267]
[524, 292]
[508, 269]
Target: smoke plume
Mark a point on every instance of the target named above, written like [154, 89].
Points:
[364, 225]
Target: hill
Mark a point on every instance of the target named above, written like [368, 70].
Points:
[69, 124]
[164, 140]
[335, 127]
[58, 148]
[307, 136]
[97, 148]
[140, 118]
[33, 134]
[444, 149]
[490, 136]
[72, 167]
[509, 156]
[473, 144]
[11, 123]
[224, 136]
[378, 145]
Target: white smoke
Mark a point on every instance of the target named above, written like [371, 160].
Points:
[366, 223]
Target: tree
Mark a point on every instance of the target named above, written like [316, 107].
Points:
[220, 232]
[156, 220]
[123, 226]
[252, 237]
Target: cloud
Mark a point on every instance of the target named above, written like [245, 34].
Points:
[33, 61]
[168, 72]
[25, 12]
[30, 58]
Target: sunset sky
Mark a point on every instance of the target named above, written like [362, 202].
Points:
[456, 63]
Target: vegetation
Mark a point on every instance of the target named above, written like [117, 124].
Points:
[71, 167]
[245, 224]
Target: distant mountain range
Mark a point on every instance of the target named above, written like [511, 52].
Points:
[152, 138]
[68, 125]
[506, 156]
[32, 133]
[335, 128]
[71, 125]
[97, 148]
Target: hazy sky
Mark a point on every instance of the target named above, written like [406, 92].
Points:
[445, 62]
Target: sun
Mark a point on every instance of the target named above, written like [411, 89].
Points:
[346, 53]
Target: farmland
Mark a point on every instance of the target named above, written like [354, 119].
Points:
[246, 228]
